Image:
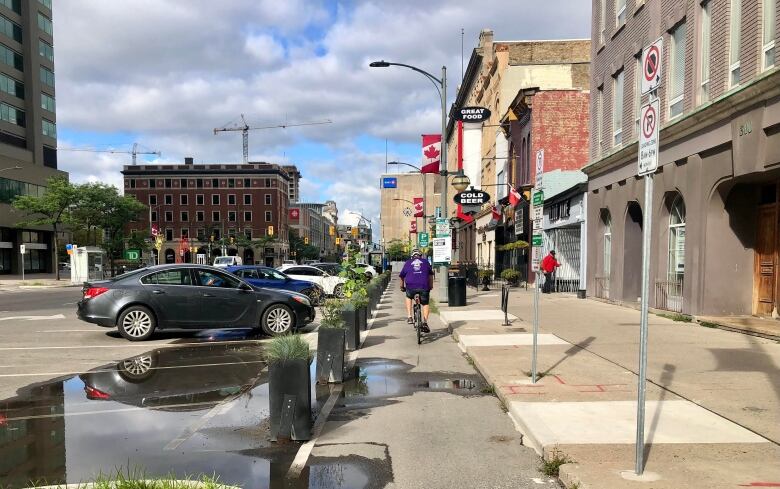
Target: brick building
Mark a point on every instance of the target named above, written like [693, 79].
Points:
[194, 206]
[716, 193]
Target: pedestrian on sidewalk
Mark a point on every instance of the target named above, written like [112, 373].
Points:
[549, 264]
[417, 278]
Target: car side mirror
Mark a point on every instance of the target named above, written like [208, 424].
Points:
[244, 287]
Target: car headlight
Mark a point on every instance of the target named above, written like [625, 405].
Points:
[303, 300]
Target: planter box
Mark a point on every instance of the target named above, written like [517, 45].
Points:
[352, 325]
[363, 317]
[330, 355]
[289, 399]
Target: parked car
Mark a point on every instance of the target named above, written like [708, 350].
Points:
[186, 296]
[368, 269]
[331, 284]
[271, 278]
[289, 262]
[227, 261]
[331, 268]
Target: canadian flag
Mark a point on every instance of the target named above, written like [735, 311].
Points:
[413, 227]
[155, 230]
[514, 196]
[496, 214]
[431, 153]
[419, 207]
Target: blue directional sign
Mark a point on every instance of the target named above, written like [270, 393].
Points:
[389, 182]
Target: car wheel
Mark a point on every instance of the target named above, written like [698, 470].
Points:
[136, 323]
[338, 291]
[277, 320]
[313, 295]
[138, 369]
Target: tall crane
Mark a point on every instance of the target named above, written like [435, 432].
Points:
[245, 128]
[133, 152]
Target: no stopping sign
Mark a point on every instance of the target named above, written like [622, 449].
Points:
[652, 57]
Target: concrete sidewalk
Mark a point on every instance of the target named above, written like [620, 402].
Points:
[35, 281]
[713, 396]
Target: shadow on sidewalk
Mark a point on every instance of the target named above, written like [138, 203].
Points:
[575, 348]
[665, 381]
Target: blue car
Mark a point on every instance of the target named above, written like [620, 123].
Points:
[271, 278]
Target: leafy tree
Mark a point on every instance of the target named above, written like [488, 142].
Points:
[302, 250]
[119, 210]
[50, 209]
[396, 250]
[89, 212]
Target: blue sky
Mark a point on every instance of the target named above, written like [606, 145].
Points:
[164, 73]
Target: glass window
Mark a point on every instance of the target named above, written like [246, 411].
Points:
[168, 216]
[199, 216]
[10, 189]
[248, 233]
[168, 199]
[268, 182]
[11, 114]
[267, 216]
[214, 199]
[11, 29]
[46, 3]
[247, 182]
[598, 121]
[183, 182]
[620, 12]
[45, 50]
[47, 76]
[11, 58]
[247, 216]
[677, 240]
[44, 23]
[49, 128]
[199, 183]
[153, 199]
[47, 102]
[231, 199]
[617, 108]
[168, 183]
[11, 86]
[199, 199]
[735, 35]
[231, 216]
[215, 182]
[183, 200]
[267, 199]
[154, 216]
[185, 216]
[185, 233]
[704, 53]
[602, 21]
[769, 30]
[211, 278]
[677, 72]
[152, 183]
[169, 234]
[168, 277]
[231, 182]
[15, 5]
[607, 221]
[215, 216]
[132, 183]
[248, 273]
[247, 199]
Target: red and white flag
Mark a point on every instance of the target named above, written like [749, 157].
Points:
[514, 196]
[496, 214]
[431, 153]
[155, 230]
[419, 207]
[413, 227]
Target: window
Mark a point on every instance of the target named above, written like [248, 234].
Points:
[183, 199]
[214, 199]
[9, 189]
[46, 3]
[47, 76]
[617, 108]
[199, 216]
[704, 53]
[11, 29]
[199, 199]
[637, 92]
[212, 278]
[152, 183]
[47, 102]
[44, 23]
[231, 182]
[11, 114]
[185, 216]
[201, 234]
[677, 71]
[168, 199]
[268, 182]
[232, 199]
[560, 210]
[768, 49]
[676, 268]
[247, 273]
[132, 183]
[248, 233]
[215, 182]
[247, 216]
[168, 216]
[11, 58]
[215, 216]
[45, 50]
[154, 216]
[267, 216]
[183, 182]
[267, 199]
[598, 121]
[606, 220]
[247, 182]
[11, 86]
[15, 5]
[735, 36]
[153, 199]
[49, 128]
[169, 277]
[199, 183]
[620, 12]
[231, 216]
[168, 183]
[247, 199]
[185, 233]
[602, 21]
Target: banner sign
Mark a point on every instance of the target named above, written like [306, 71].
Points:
[413, 227]
[419, 207]
[294, 214]
[389, 182]
[431, 153]
[472, 114]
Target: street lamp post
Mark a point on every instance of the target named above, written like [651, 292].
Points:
[441, 87]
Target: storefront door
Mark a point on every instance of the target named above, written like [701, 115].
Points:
[765, 274]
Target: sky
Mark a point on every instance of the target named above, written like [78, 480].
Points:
[165, 73]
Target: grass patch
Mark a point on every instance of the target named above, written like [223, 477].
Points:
[287, 347]
[489, 389]
[707, 324]
[136, 479]
[682, 318]
[552, 466]
[469, 359]
[433, 305]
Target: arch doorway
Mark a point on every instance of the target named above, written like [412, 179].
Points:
[249, 256]
[170, 256]
[632, 253]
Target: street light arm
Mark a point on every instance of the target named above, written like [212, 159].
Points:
[437, 83]
[405, 164]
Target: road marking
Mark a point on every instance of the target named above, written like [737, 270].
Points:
[33, 318]
[65, 331]
[107, 411]
[70, 303]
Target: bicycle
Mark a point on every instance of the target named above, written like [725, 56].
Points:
[417, 317]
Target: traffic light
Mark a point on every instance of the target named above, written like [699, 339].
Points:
[306, 240]
[332, 230]
[355, 231]
[212, 238]
[232, 239]
[270, 230]
[338, 241]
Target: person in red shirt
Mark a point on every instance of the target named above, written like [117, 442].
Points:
[549, 264]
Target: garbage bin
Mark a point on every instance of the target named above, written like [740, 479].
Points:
[456, 292]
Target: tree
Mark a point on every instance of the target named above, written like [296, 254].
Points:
[50, 209]
[120, 209]
[89, 212]
[396, 250]
[302, 250]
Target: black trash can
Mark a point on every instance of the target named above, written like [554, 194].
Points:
[456, 291]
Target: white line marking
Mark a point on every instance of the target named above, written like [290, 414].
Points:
[107, 411]
[65, 331]
[33, 318]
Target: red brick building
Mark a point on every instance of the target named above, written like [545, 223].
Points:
[194, 206]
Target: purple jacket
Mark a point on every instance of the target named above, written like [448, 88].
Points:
[416, 273]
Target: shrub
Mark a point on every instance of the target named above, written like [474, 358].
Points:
[331, 315]
[510, 274]
[286, 348]
[485, 272]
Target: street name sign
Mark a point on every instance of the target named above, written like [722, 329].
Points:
[22, 249]
[648, 137]
[651, 65]
[442, 250]
[442, 227]
[538, 198]
[423, 240]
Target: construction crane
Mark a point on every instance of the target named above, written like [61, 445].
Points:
[245, 130]
[133, 152]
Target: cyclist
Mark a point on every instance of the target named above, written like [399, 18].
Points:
[417, 278]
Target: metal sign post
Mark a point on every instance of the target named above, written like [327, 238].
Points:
[536, 257]
[21, 255]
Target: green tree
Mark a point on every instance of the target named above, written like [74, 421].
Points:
[396, 250]
[89, 212]
[51, 209]
[120, 209]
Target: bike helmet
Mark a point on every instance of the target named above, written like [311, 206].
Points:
[416, 252]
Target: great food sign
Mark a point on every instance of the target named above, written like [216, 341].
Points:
[472, 114]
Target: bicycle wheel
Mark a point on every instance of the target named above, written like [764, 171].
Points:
[418, 321]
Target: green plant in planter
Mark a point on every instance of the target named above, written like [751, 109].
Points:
[331, 315]
[510, 275]
[360, 297]
[485, 273]
[287, 347]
